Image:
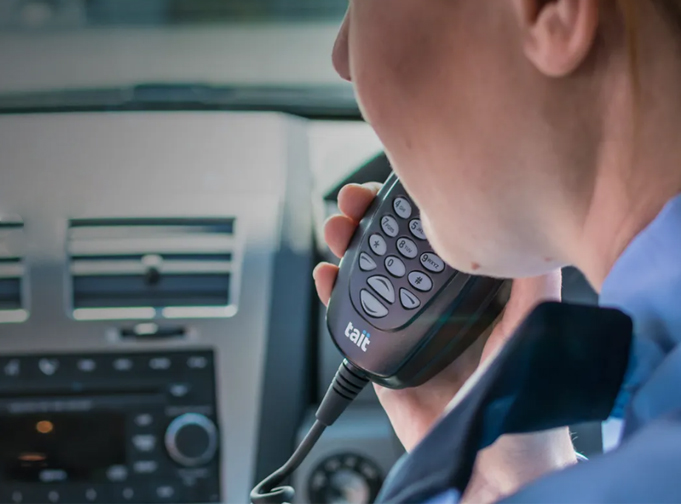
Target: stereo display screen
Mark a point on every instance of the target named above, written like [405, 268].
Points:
[56, 447]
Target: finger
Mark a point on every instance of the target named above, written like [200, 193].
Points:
[354, 199]
[324, 278]
[338, 231]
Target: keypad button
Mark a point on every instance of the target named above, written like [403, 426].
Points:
[372, 306]
[395, 266]
[390, 226]
[383, 287]
[378, 244]
[420, 281]
[408, 300]
[402, 207]
[416, 229]
[432, 263]
[407, 248]
[366, 263]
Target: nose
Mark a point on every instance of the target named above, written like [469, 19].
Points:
[341, 51]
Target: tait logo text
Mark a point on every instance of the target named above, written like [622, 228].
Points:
[360, 339]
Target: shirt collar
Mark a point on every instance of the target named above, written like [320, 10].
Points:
[645, 283]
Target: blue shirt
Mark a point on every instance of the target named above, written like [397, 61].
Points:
[645, 283]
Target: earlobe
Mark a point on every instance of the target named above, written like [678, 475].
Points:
[559, 34]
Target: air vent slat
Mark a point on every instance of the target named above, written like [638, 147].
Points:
[13, 307]
[156, 264]
[133, 291]
[130, 267]
[152, 245]
[10, 294]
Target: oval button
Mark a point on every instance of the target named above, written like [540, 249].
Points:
[383, 287]
[417, 229]
[378, 244]
[371, 305]
[408, 300]
[432, 263]
[366, 263]
[402, 207]
[420, 281]
[389, 226]
[395, 266]
[407, 248]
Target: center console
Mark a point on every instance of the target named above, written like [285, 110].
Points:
[155, 296]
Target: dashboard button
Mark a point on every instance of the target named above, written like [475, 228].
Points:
[145, 466]
[86, 365]
[420, 281]
[144, 420]
[408, 300]
[395, 266]
[432, 263]
[416, 229]
[390, 226]
[122, 365]
[117, 473]
[366, 263]
[48, 366]
[378, 244]
[12, 368]
[165, 492]
[128, 493]
[197, 362]
[91, 494]
[144, 442]
[371, 305]
[407, 248]
[179, 389]
[159, 363]
[402, 207]
[383, 287]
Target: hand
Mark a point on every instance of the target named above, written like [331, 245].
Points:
[513, 460]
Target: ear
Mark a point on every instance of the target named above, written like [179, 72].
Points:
[558, 34]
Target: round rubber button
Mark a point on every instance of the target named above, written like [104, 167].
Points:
[407, 248]
[377, 244]
[390, 226]
[395, 266]
[402, 207]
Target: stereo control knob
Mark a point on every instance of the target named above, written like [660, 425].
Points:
[191, 440]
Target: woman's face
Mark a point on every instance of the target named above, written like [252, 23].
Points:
[466, 121]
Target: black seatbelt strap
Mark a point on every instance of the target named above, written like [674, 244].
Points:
[564, 365]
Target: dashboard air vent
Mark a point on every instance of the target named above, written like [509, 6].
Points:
[151, 268]
[13, 284]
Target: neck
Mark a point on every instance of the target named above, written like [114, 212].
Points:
[638, 170]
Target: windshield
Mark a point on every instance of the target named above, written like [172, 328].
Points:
[163, 48]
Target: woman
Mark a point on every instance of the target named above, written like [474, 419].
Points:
[533, 134]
